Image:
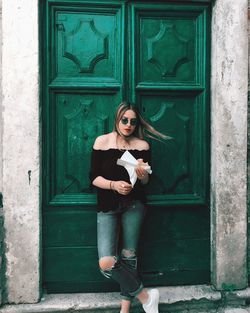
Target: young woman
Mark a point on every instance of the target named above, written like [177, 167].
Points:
[121, 206]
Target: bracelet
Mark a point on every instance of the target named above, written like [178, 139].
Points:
[112, 186]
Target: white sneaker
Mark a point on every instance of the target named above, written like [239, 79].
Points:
[152, 305]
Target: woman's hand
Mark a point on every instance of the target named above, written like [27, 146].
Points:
[141, 173]
[122, 187]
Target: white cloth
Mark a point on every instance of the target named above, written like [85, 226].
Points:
[130, 163]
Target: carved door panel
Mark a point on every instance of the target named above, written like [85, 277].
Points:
[83, 84]
[170, 86]
[96, 54]
[170, 82]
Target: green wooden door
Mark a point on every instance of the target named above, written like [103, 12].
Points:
[95, 54]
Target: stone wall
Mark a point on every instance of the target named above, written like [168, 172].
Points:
[229, 89]
[248, 141]
[1, 163]
[21, 152]
[1, 250]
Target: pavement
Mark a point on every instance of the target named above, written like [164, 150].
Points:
[179, 299]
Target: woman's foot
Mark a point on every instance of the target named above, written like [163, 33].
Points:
[151, 306]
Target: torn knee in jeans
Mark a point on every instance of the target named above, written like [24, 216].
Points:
[129, 257]
[128, 253]
[106, 264]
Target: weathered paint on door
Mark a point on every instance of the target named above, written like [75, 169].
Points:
[155, 54]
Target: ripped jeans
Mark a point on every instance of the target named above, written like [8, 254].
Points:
[125, 221]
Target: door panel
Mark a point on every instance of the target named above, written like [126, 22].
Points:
[83, 82]
[171, 47]
[178, 174]
[170, 86]
[85, 39]
[96, 54]
[174, 246]
[169, 83]
[166, 45]
[79, 118]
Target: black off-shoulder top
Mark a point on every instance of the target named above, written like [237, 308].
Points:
[103, 163]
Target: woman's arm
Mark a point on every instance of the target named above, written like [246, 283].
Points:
[120, 186]
[103, 183]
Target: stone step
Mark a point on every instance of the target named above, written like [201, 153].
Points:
[181, 299]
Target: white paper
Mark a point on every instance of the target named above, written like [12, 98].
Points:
[130, 163]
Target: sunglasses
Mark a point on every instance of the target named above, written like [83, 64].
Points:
[125, 120]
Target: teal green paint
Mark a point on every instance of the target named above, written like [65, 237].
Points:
[94, 54]
[228, 287]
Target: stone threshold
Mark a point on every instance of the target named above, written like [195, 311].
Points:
[198, 298]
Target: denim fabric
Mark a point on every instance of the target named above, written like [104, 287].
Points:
[125, 221]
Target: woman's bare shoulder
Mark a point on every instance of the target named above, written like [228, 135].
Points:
[141, 144]
[103, 142]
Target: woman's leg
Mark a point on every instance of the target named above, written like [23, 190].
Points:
[110, 265]
[149, 300]
[107, 238]
[131, 227]
[131, 221]
[125, 306]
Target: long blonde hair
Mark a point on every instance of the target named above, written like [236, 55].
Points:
[143, 129]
